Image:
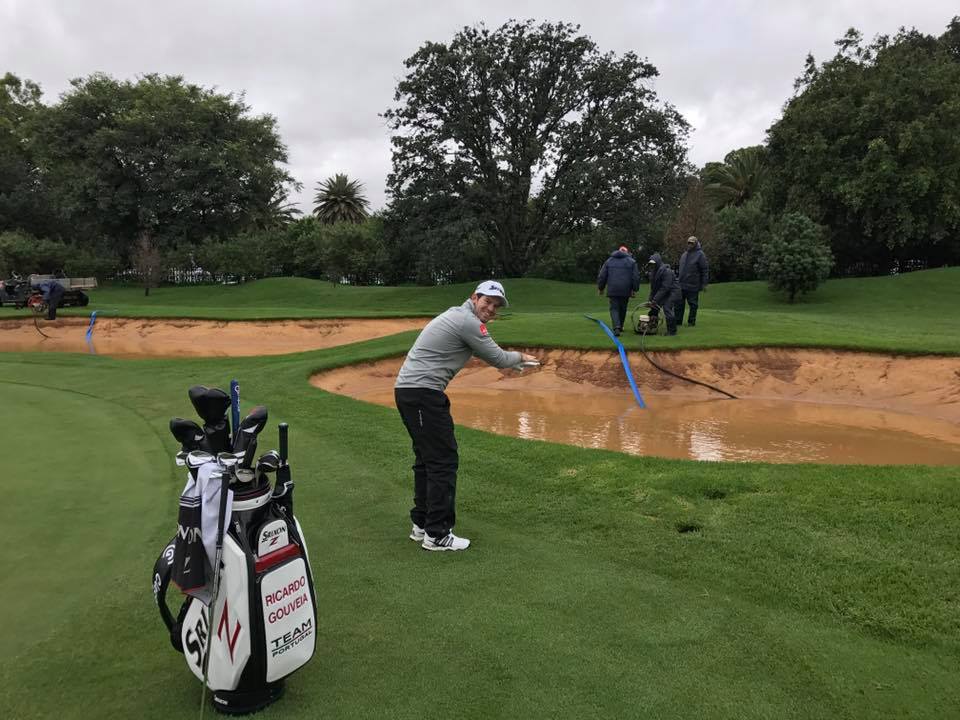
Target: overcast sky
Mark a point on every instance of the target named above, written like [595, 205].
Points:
[327, 69]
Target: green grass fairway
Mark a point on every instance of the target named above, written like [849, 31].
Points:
[598, 585]
[912, 313]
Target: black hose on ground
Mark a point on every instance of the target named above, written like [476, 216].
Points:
[662, 369]
[36, 323]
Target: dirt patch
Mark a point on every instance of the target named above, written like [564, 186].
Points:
[794, 406]
[129, 337]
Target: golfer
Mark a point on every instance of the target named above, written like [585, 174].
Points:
[443, 347]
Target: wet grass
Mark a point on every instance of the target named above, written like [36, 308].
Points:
[911, 313]
[599, 584]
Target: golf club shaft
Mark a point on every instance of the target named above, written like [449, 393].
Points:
[234, 409]
[218, 556]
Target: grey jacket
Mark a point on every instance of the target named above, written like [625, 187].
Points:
[446, 344]
[693, 269]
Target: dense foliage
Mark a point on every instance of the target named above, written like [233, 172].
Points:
[130, 170]
[522, 150]
[519, 136]
[869, 148]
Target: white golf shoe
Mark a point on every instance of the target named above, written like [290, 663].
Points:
[416, 533]
[448, 542]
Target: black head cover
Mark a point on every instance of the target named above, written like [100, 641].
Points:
[249, 428]
[211, 404]
[268, 462]
[187, 433]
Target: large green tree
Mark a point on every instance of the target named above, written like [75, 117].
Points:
[532, 134]
[869, 147]
[158, 162]
[21, 204]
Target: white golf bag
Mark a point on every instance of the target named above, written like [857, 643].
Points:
[263, 623]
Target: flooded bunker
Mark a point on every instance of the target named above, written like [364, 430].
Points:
[793, 405]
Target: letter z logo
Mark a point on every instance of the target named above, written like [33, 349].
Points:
[231, 640]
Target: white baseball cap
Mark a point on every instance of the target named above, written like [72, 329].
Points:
[492, 287]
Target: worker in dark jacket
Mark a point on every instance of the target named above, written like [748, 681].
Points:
[621, 278]
[664, 291]
[52, 296]
[692, 274]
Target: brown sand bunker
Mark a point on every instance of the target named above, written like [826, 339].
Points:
[794, 406]
[128, 337]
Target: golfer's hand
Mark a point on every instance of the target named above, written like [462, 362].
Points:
[528, 358]
[599, 291]
[633, 294]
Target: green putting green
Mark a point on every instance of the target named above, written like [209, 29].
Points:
[598, 583]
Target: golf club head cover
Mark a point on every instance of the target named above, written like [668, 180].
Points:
[249, 428]
[187, 433]
[211, 405]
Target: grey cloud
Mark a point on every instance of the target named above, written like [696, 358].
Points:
[326, 70]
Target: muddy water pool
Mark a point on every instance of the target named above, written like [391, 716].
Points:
[560, 405]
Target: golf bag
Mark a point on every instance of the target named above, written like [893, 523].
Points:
[263, 622]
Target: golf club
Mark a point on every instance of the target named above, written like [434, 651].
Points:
[218, 557]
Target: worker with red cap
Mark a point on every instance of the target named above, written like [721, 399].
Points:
[620, 276]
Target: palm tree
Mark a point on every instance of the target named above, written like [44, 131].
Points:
[338, 199]
[738, 178]
[278, 214]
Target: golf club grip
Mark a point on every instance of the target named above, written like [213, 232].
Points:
[234, 409]
[283, 429]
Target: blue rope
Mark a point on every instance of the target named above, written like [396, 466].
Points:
[93, 319]
[623, 359]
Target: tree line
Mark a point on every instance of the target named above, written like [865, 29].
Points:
[866, 152]
[519, 150]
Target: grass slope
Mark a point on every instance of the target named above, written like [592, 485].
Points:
[910, 313]
[793, 592]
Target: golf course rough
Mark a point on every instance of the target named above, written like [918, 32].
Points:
[808, 591]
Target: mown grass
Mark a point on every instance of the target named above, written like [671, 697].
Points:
[911, 313]
[599, 584]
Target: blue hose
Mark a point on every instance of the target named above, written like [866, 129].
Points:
[623, 360]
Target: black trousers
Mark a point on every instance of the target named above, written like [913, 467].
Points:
[692, 298]
[56, 296]
[669, 307]
[618, 311]
[426, 415]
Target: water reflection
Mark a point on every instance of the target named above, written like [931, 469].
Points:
[705, 429]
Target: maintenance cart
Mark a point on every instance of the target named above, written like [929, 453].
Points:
[25, 293]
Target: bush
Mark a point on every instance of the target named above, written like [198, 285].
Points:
[307, 240]
[448, 247]
[577, 258]
[797, 258]
[25, 254]
[354, 252]
[83, 262]
[742, 233]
